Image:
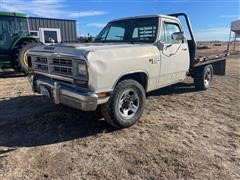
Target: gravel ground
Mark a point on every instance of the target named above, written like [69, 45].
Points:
[183, 134]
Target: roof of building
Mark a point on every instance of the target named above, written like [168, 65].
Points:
[13, 14]
[17, 14]
[58, 19]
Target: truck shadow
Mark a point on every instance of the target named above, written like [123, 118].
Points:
[10, 74]
[30, 121]
[179, 88]
[34, 121]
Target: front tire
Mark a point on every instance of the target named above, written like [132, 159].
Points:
[126, 104]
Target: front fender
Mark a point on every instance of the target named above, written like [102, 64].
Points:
[131, 74]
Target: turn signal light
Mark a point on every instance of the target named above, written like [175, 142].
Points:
[102, 95]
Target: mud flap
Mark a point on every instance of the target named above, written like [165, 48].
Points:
[219, 68]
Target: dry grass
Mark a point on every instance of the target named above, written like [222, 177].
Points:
[183, 134]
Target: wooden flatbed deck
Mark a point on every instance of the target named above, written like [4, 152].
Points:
[206, 56]
[216, 59]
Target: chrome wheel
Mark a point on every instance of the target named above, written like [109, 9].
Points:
[125, 106]
[208, 77]
[128, 104]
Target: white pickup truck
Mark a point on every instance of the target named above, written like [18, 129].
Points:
[130, 57]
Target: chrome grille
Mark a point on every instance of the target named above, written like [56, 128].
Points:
[62, 70]
[41, 64]
[41, 60]
[56, 66]
[62, 62]
[42, 67]
[62, 66]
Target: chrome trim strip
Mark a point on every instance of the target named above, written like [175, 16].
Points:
[82, 96]
[56, 55]
[55, 76]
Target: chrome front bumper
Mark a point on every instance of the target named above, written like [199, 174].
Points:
[61, 94]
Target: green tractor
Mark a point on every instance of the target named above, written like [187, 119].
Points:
[15, 41]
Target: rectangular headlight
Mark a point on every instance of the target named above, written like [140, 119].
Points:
[81, 74]
[82, 69]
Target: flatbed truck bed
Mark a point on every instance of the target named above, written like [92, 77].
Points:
[218, 61]
[199, 58]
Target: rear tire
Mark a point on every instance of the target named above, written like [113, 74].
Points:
[20, 62]
[203, 77]
[126, 104]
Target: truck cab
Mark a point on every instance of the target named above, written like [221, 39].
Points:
[130, 57]
[169, 62]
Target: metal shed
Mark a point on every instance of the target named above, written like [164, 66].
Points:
[49, 30]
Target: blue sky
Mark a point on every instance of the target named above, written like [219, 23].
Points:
[210, 18]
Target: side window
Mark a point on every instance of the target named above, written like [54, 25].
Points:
[115, 34]
[167, 30]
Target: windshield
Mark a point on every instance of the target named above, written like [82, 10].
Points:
[130, 30]
[10, 28]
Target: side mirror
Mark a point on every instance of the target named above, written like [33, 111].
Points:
[178, 36]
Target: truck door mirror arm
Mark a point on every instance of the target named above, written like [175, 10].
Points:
[162, 46]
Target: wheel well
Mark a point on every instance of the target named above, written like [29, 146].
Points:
[140, 77]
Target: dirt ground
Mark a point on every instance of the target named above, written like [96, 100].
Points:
[183, 134]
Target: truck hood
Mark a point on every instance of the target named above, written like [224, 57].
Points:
[82, 50]
[91, 47]
[85, 47]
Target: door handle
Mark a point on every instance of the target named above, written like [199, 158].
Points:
[184, 49]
